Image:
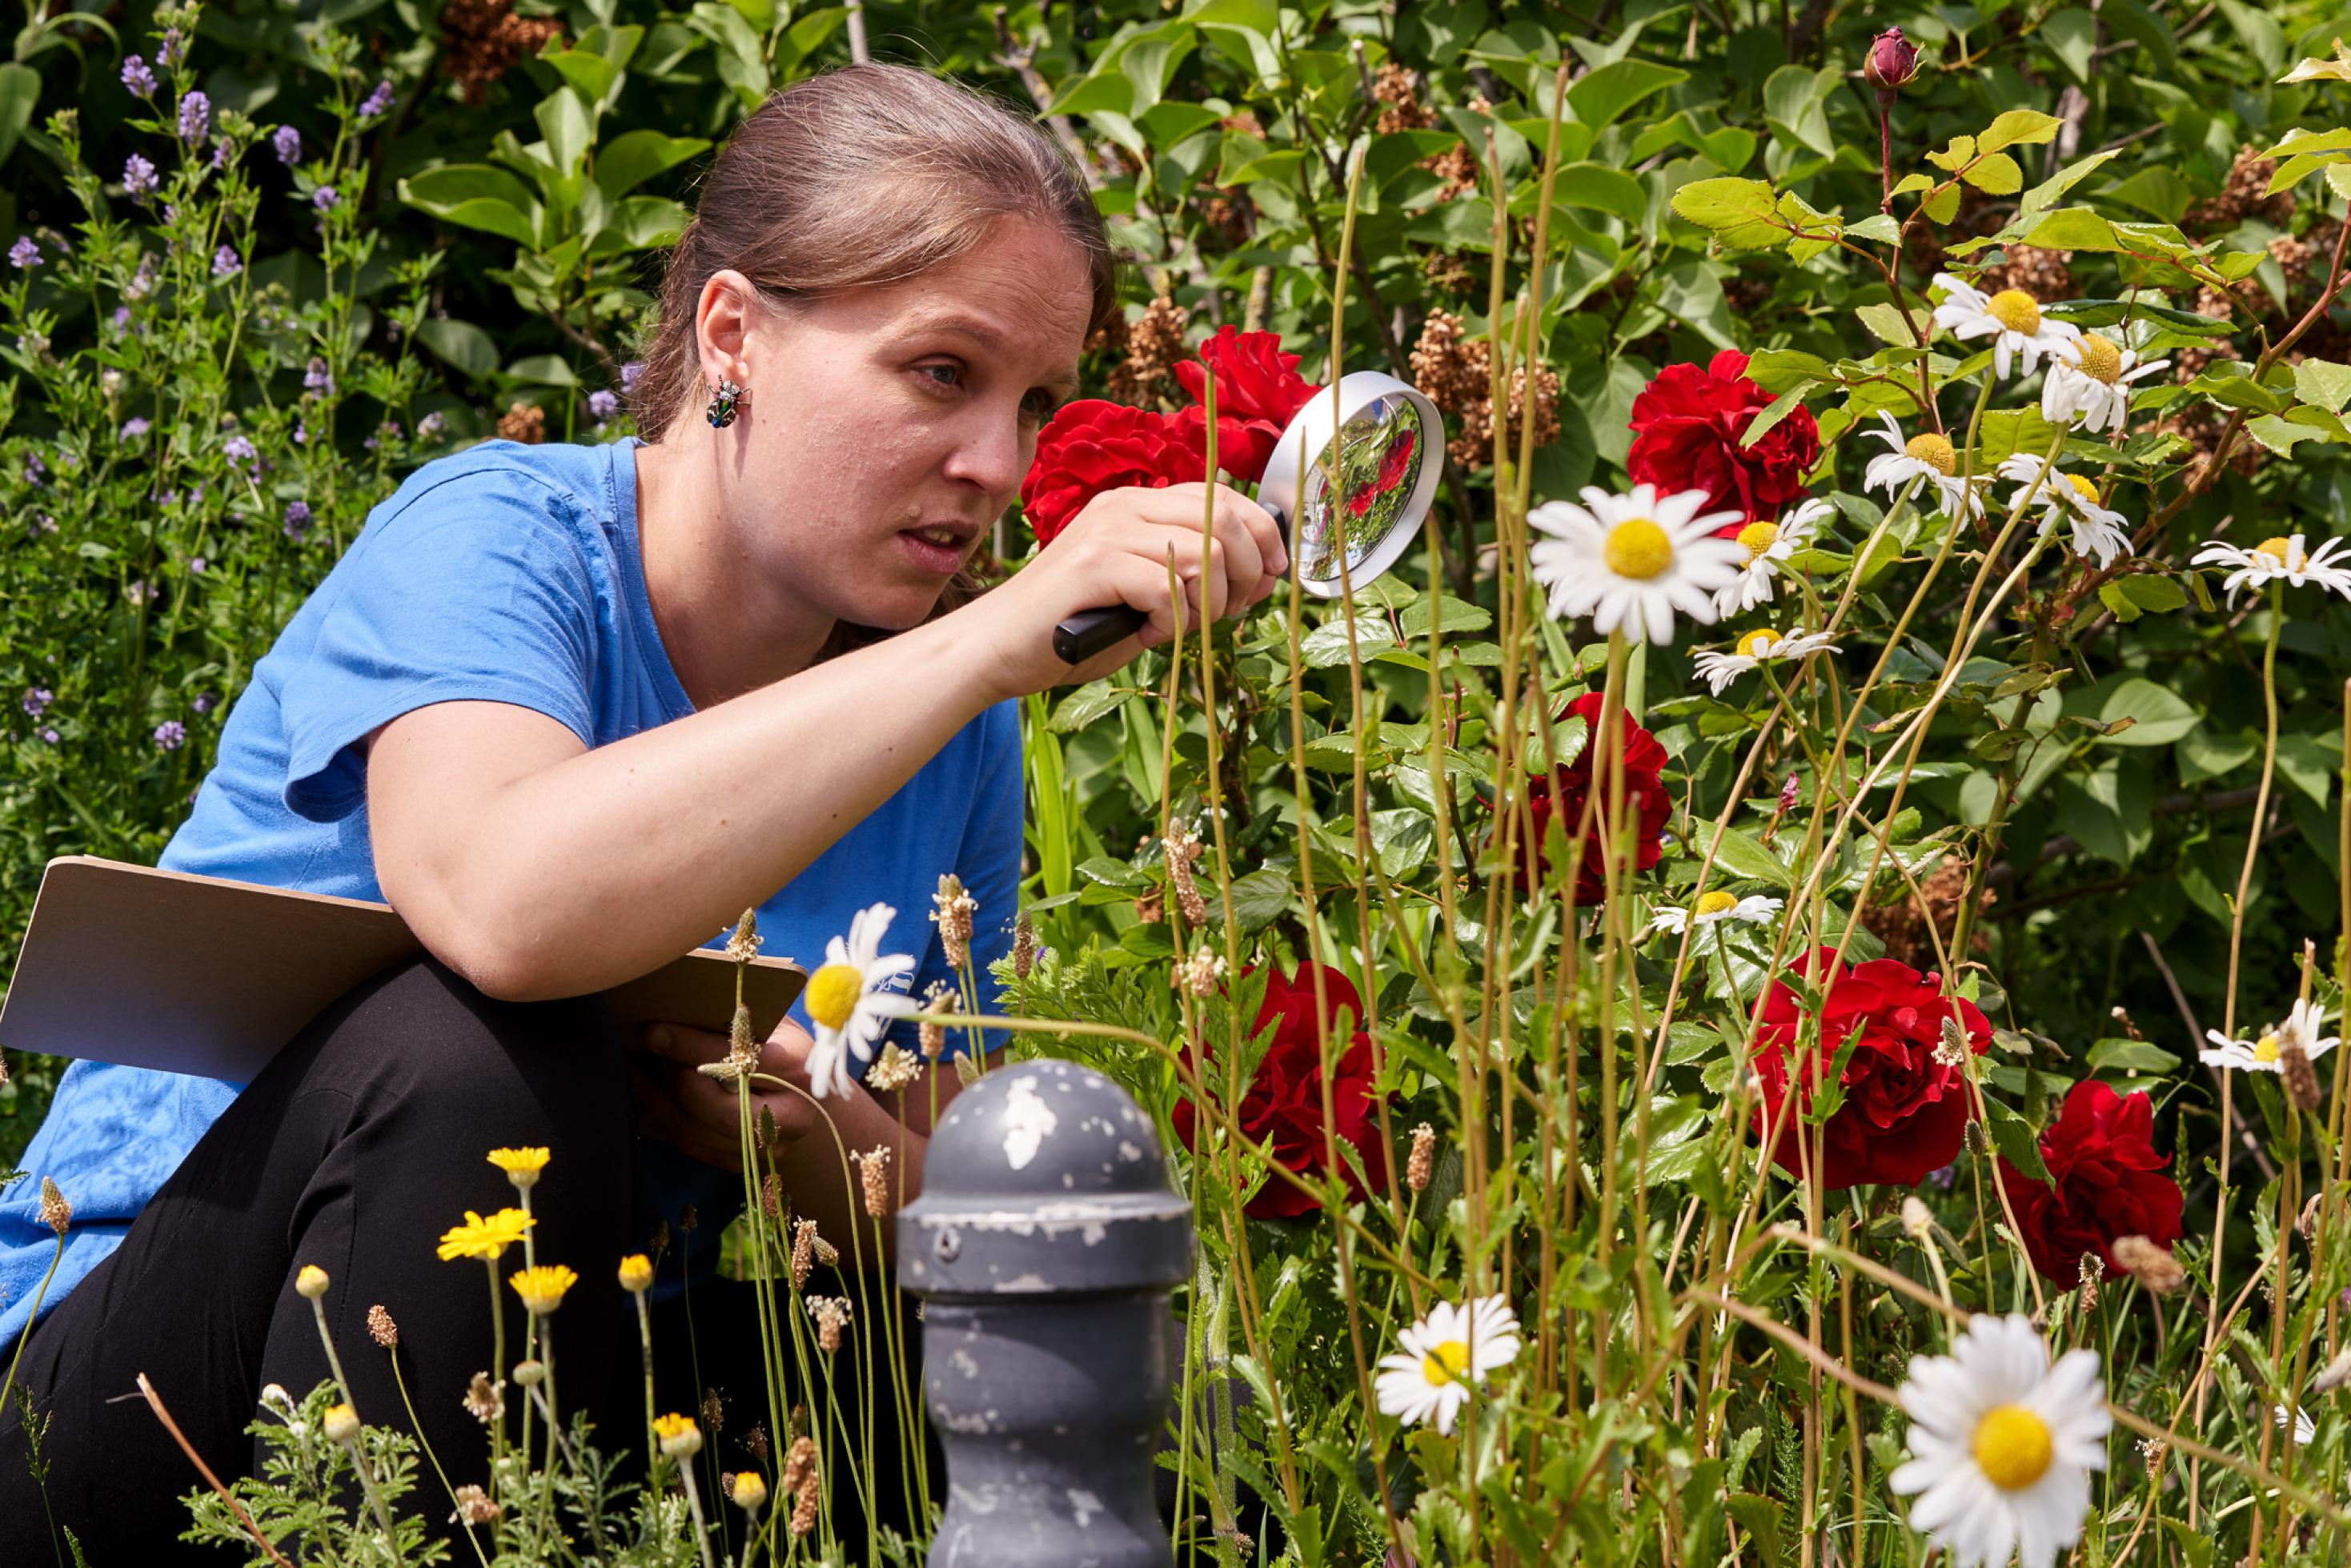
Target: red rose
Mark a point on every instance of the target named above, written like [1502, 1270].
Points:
[1905, 1111]
[2103, 1185]
[1564, 794]
[1259, 389]
[1091, 447]
[1282, 1110]
[1686, 426]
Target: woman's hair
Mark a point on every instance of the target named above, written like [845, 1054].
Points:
[869, 174]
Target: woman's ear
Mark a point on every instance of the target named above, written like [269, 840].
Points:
[723, 318]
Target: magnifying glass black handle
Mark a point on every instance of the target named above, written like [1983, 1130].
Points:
[1091, 632]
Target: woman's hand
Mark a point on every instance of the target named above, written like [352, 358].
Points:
[1116, 551]
[680, 1105]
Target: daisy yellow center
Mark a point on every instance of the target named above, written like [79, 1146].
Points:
[1757, 537]
[1758, 642]
[1717, 903]
[2101, 360]
[2012, 1446]
[833, 993]
[2266, 1049]
[2278, 547]
[2015, 309]
[1934, 451]
[2082, 487]
[1637, 547]
[1445, 1362]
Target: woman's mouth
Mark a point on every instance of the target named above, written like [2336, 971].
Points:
[939, 550]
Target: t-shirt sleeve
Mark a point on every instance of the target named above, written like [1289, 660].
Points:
[481, 589]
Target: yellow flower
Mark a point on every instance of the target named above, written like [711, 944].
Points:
[679, 1437]
[522, 1166]
[541, 1289]
[342, 1423]
[311, 1282]
[479, 1237]
[748, 1490]
[636, 1272]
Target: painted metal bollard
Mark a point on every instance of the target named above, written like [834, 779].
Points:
[1046, 1244]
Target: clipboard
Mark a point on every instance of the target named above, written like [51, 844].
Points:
[203, 975]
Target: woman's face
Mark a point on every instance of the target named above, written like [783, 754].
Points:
[884, 430]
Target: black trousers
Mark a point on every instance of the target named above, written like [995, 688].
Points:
[353, 1150]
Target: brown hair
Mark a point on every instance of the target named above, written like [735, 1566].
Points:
[869, 174]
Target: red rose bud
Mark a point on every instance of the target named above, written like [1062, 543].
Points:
[1560, 798]
[1281, 1112]
[1906, 1108]
[2107, 1197]
[1686, 426]
[1091, 447]
[1259, 391]
[1892, 60]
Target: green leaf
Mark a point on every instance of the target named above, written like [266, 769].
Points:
[2072, 35]
[1780, 408]
[1882, 228]
[1742, 212]
[2324, 383]
[2131, 1056]
[564, 120]
[1088, 703]
[1603, 189]
[1995, 174]
[461, 343]
[2159, 715]
[1742, 856]
[20, 90]
[2072, 228]
[630, 159]
[2019, 127]
[1599, 96]
[2279, 435]
[2013, 1136]
[477, 196]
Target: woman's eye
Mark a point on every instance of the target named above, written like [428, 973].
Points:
[1038, 407]
[942, 375]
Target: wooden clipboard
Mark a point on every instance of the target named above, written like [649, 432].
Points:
[149, 967]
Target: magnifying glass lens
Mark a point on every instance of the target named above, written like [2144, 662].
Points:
[1362, 489]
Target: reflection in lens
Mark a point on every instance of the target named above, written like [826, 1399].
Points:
[1377, 463]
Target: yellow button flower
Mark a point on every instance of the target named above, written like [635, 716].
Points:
[541, 1288]
[636, 1272]
[311, 1282]
[679, 1437]
[522, 1166]
[479, 1237]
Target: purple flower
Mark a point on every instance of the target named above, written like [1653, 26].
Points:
[377, 101]
[139, 176]
[134, 428]
[203, 702]
[220, 152]
[429, 427]
[628, 374]
[170, 733]
[603, 403]
[23, 254]
[173, 49]
[317, 377]
[138, 78]
[35, 471]
[50, 736]
[227, 263]
[288, 144]
[301, 434]
[37, 699]
[298, 518]
[197, 565]
[237, 449]
[324, 198]
[196, 118]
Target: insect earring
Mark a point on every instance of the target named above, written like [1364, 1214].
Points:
[722, 403]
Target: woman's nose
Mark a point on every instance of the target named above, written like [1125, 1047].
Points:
[990, 456]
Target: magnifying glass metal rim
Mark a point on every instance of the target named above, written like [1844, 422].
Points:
[1309, 438]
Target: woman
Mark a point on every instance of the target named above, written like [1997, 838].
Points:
[571, 710]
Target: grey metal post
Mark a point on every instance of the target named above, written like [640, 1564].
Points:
[1046, 1244]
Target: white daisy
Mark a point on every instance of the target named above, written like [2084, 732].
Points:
[2305, 1428]
[1711, 907]
[1632, 560]
[2011, 319]
[2003, 1444]
[1443, 1357]
[2069, 499]
[1926, 456]
[1768, 545]
[2303, 1022]
[2280, 558]
[848, 999]
[1759, 646]
[2095, 391]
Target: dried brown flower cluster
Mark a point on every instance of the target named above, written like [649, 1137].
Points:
[382, 1329]
[1024, 947]
[1423, 1163]
[952, 910]
[2245, 193]
[803, 1251]
[2153, 1267]
[56, 1212]
[486, 1400]
[873, 1175]
[1154, 344]
[932, 1036]
[1447, 273]
[1456, 375]
[1183, 852]
[771, 1197]
[831, 1314]
[2041, 273]
[800, 1478]
[526, 423]
[892, 1070]
[482, 39]
[1394, 88]
[1902, 925]
[1231, 213]
[1457, 167]
[475, 1506]
[1198, 974]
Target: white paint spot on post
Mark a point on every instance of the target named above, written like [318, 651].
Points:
[1028, 1121]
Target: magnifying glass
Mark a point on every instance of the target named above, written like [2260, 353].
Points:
[1348, 509]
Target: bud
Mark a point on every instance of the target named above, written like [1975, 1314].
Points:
[1893, 61]
[1422, 1163]
[746, 1490]
[2301, 1079]
[803, 1251]
[826, 1252]
[342, 1423]
[771, 1195]
[714, 1414]
[1024, 947]
[1918, 1220]
[2153, 1267]
[932, 1035]
[952, 909]
[739, 1043]
[871, 1168]
[746, 940]
[2094, 1268]
[529, 1374]
[688, 1220]
[1953, 1050]
[1978, 1144]
[967, 1070]
[2307, 1225]
[56, 1212]
[379, 1325]
[636, 1273]
[755, 1442]
[311, 1282]
[2130, 1027]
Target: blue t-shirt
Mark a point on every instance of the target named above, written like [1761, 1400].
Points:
[512, 574]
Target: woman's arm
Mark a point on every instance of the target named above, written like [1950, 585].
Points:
[539, 868]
